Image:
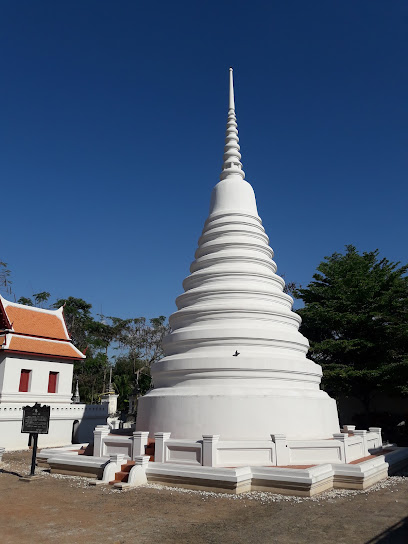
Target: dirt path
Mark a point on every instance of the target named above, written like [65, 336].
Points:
[64, 510]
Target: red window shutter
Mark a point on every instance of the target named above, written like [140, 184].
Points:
[52, 382]
[24, 381]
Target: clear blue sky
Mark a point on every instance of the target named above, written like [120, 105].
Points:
[112, 133]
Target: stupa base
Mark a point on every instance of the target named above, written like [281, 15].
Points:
[189, 413]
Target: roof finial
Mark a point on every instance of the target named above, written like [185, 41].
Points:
[75, 397]
[232, 165]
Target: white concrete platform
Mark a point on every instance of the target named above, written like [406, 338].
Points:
[78, 465]
[288, 480]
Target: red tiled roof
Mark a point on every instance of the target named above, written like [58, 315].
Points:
[34, 330]
[43, 347]
[36, 323]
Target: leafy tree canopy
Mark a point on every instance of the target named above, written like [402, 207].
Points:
[356, 319]
[25, 300]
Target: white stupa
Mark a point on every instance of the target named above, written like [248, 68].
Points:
[235, 363]
[237, 406]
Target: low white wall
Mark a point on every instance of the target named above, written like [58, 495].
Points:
[62, 418]
[343, 447]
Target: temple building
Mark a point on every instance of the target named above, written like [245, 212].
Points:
[36, 365]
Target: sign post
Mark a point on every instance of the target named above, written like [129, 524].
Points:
[36, 420]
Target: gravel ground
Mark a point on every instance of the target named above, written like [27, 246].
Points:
[64, 509]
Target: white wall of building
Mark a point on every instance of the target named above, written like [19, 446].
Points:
[10, 372]
[65, 417]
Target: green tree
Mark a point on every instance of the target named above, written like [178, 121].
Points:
[78, 318]
[142, 338]
[26, 301]
[93, 338]
[140, 343]
[41, 298]
[355, 316]
[124, 385]
[5, 281]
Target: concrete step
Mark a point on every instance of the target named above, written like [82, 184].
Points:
[150, 448]
[123, 474]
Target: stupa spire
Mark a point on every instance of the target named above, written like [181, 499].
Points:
[231, 90]
[232, 165]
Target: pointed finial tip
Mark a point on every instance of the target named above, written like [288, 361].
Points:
[231, 69]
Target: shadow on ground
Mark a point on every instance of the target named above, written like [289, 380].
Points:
[2, 471]
[396, 534]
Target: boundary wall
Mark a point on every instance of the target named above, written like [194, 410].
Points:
[69, 423]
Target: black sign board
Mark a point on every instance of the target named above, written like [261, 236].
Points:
[36, 419]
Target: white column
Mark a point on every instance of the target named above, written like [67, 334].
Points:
[142, 460]
[349, 429]
[362, 434]
[118, 458]
[210, 442]
[342, 438]
[377, 430]
[140, 440]
[160, 447]
[282, 450]
[100, 433]
[137, 475]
